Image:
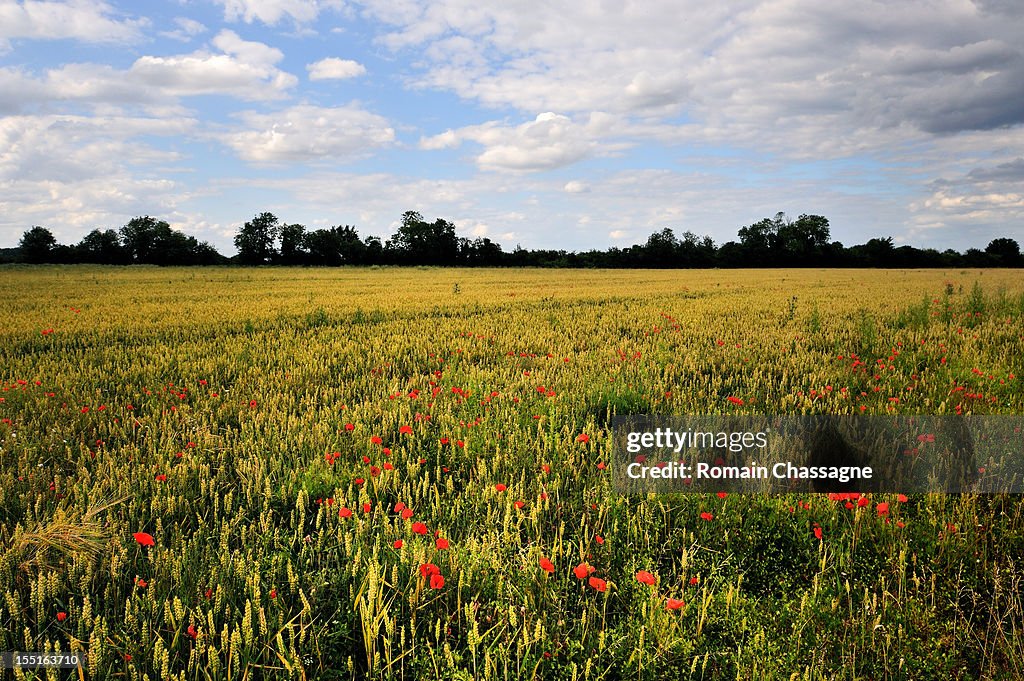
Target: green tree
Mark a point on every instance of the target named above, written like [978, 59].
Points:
[293, 245]
[255, 241]
[139, 238]
[1006, 252]
[101, 247]
[37, 245]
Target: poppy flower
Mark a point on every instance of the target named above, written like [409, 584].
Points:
[61, 616]
[350, 426]
[428, 569]
[583, 437]
[500, 487]
[883, 508]
[599, 539]
[817, 533]
[673, 604]
[398, 544]
[707, 516]
[546, 468]
[441, 543]
[902, 498]
[273, 593]
[399, 506]
[598, 584]
[252, 404]
[437, 581]
[375, 440]
[144, 539]
[645, 577]
[345, 513]
[694, 581]
[162, 477]
[405, 430]
[366, 508]
[419, 528]
[735, 400]
[406, 513]
[582, 570]
[546, 565]
[141, 583]
[519, 505]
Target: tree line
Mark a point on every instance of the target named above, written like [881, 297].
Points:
[266, 240]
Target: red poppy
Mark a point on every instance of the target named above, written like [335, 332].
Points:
[673, 604]
[419, 528]
[582, 570]
[191, 631]
[817, 533]
[350, 426]
[141, 583]
[883, 508]
[441, 543]
[645, 577]
[735, 400]
[399, 506]
[428, 569]
[437, 581]
[345, 513]
[519, 505]
[144, 539]
[500, 487]
[366, 507]
[398, 544]
[376, 440]
[599, 539]
[546, 565]
[273, 593]
[208, 594]
[252, 404]
[405, 430]
[61, 616]
[694, 581]
[583, 437]
[406, 513]
[706, 516]
[546, 468]
[902, 498]
[598, 583]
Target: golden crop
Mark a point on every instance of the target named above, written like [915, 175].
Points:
[401, 473]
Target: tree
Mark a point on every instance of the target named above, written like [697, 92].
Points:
[255, 241]
[1006, 252]
[425, 243]
[139, 237]
[102, 247]
[293, 245]
[37, 245]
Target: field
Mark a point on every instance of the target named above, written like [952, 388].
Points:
[401, 474]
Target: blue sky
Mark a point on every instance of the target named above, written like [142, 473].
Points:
[554, 124]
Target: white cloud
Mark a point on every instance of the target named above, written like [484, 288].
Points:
[86, 20]
[576, 187]
[309, 133]
[104, 174]
[333, 68]
[273, 11]
[242, 69]
[187, 29]
[549, 141]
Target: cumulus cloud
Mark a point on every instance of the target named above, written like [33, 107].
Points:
[75, 173]
[333, 68]
[934, 67]
[273, 11]
[241, 68]
[549, 141]
[308, 133]
[90, 21]
[187, 29]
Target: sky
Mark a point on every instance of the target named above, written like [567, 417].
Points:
[545, 123]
